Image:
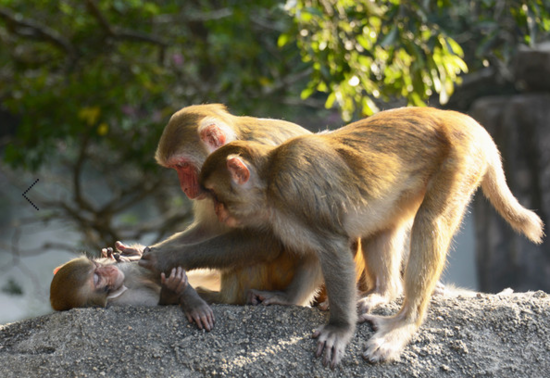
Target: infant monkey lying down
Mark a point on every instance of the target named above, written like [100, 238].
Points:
[115, 280]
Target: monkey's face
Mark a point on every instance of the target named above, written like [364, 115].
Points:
[106, 278]
[188, 175]
[234, 186]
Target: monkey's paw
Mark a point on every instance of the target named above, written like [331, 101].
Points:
[370, 302]
[390, 339]
[201, 314]
[324, 305]
[255, 297]
[149, 260]
[332, 340]
[176, 282]
[123, 252]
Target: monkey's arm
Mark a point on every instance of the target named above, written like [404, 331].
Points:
[176, 290]
[236, 248]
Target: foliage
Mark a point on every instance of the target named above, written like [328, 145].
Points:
[94, 82]
[114, 71]
[365, 50]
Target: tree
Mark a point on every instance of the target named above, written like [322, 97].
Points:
[363, 51]
[92, 83]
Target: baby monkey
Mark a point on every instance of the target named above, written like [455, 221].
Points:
[116, 280]
[408, 170]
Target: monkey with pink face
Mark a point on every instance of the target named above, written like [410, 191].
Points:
[400, 172]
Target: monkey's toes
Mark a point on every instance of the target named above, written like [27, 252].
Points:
[374, 320]
[379, 350]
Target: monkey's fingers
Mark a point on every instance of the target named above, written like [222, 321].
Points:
[254, 297]
[108, 253]
[202, 316]
[133, 252]
[180, 281]
[333, 345]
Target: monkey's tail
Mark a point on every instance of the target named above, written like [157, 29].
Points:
[496, 190]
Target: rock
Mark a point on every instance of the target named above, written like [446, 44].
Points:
[532, 68]
[485, 335]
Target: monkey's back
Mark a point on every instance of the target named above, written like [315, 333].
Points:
[387, 148]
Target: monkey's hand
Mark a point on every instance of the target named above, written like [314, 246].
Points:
[333, 340]
[176, 282]
[255, 297]
[123, 252]
[196, 309]
[150, 261]
[110, 254]
[130, 252]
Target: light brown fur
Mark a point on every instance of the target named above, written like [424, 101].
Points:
[405, 170]
[279, 276]
[73, 286]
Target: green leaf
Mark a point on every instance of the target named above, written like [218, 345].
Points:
[282, 40]
[390, 38]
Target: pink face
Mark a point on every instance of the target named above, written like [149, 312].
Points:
[189, 180]
[107, 278]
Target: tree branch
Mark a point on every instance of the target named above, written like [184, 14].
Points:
[25, 27]
[121, 33]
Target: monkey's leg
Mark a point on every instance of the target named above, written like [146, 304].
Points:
[339, 273]
[434, 225]
[383, 253]
[210, 296]
[301, 290]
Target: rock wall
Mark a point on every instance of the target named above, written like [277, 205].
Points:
[482, 336]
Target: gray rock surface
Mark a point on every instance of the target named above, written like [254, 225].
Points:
[504, 335]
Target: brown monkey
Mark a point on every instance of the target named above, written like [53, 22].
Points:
[83, 282]
[190, 136]
[409, 168]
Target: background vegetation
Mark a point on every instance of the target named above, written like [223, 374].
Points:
[87, 86]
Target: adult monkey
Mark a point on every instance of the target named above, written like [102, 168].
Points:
[371, 179]
[279, 276]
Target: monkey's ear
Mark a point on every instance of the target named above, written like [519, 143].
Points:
[213, 136]
[57, 269]
[238, 169]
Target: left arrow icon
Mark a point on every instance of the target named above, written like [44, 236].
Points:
[25, 192]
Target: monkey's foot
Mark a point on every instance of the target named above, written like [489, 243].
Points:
[370, 302]
[201, 314]
[324, 305]
[256, 297]
[391, 337]
[332, 340]
[439, 290]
